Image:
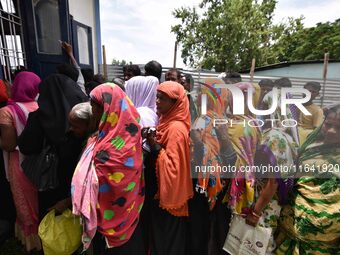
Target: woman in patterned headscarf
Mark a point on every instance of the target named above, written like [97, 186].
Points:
[111, 164]
[245, 139]
[310, 223]
[257, 197]
[252, 195]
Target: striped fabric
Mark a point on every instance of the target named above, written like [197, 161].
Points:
[311, 224]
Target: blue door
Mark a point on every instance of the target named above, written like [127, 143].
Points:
[45, 24]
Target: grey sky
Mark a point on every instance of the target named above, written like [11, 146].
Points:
[139, 30]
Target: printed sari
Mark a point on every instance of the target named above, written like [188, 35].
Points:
[310, 223]
[280, 148]
[245, 139]
[208, 182]
[283, 143]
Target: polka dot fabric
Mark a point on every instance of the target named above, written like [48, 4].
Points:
[117, 158]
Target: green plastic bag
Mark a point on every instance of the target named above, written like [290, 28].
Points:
[61, 234]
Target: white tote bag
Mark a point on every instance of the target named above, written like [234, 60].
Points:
[244, 239]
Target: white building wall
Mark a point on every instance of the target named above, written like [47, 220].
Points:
[83, 11]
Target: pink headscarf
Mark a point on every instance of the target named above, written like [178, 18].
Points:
[85, 197]
[25, 88]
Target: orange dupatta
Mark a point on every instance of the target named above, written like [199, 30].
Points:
[173, 162]
[211, 183]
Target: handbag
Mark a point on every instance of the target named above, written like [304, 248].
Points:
[42, 168]
[60, 234]
[243, 239]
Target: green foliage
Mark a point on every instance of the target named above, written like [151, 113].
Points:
[229, 33]
[123, 62]
[312, 43]
[287, 39]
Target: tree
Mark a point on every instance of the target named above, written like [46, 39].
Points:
[287, 38]
[229, 33]
[312, 43]
[121, 63]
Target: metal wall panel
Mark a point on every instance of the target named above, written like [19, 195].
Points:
[331, 88]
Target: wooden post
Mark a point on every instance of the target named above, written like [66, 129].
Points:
[104, 64]
[324, 76]
[175, 54]
[252, 70]
[199, 71]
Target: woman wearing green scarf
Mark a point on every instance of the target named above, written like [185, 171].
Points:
[311, 223]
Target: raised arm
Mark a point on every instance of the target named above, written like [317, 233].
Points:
[69, 51]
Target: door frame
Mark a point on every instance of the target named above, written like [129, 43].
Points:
[75, 24]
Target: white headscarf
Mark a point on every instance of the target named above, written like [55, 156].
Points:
[142, 91]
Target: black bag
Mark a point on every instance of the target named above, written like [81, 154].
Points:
[42, 168]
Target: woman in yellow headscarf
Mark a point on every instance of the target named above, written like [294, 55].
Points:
[245, 139]
[250, 194]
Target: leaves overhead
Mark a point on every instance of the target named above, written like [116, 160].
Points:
[229, 33]
[311, 43]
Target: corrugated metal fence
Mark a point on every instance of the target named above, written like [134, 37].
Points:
[331, 89]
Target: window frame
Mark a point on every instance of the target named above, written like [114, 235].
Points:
[36, 31]
[75, 25]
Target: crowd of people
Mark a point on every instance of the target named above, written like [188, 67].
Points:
[127, 151]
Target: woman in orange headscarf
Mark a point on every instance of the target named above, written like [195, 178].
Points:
[170, 145]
